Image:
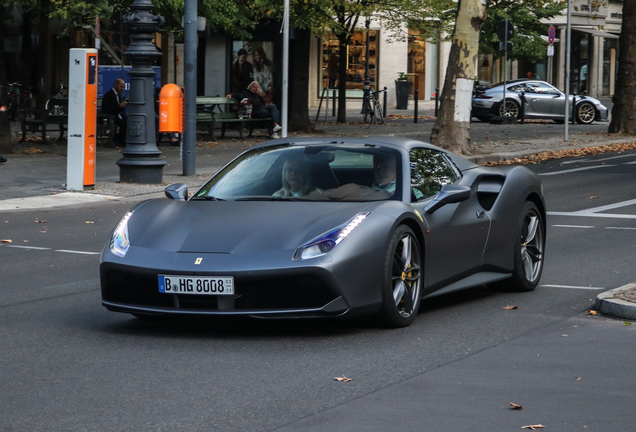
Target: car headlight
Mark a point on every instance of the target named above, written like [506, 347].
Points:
[119, 241]
[326, 242]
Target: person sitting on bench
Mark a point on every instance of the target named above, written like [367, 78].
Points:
[259, 109]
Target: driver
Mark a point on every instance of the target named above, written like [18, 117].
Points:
[296, 178]
[385, 171]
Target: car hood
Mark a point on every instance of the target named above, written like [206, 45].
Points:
[235, 226]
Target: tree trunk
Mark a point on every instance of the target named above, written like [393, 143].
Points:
[42, 85]
[6, 145]
[624, 110]
[299, 100]
[452, 126]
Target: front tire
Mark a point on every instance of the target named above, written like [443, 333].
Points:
[401, 289]
[585, 113]
[529, 252]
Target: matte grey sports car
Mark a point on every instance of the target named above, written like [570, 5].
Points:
[539, 100]
[306, 227]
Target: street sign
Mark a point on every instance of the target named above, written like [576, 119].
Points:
[550, 50]
[501, 31]
[505, 47]
[551, 34]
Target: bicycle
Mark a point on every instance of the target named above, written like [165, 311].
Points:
[372, 107]
[19, 100]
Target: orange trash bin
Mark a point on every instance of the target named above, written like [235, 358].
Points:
[171, 109]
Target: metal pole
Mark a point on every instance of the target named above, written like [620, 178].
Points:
[567, 72]
[415, 114]
[190, 84]
[504, 67]
[284, 112]
[384, 106]
[333, 101]
[366, 103]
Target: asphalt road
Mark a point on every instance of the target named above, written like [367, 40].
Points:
[69, 365]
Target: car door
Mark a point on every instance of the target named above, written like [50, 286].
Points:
[457, 233]
[541, 99]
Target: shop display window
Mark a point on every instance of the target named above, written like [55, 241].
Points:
[355, 57]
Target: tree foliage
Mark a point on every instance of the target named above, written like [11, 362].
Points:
[526, 17]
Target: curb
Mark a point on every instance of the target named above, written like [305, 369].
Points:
[607, 303]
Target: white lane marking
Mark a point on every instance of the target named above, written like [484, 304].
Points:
[575, 169]
[57, 200]
[610, 206]
[573, 226]
[29, 247]
[573, 287]
[599, 160]
[621, 228]
[78, 252]
[598, 215]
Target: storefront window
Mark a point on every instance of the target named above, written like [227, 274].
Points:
[417, 64]
[355, 58]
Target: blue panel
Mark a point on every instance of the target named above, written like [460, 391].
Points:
[108, 75]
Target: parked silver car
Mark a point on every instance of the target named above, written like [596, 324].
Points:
[542, 101]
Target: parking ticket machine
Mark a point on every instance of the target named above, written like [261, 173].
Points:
[82, 119]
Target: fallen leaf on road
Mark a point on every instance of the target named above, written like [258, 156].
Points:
[40, 221]
[343, 378]
[533, 427]
[591, 312]
[627, 323]
[89, 222]
[564, 335]
[6, 241]
[511, 307]
[515, 406]
[593, 197]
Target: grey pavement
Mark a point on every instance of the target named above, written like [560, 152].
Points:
[34, 176]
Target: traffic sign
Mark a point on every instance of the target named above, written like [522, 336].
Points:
[505, 34]
[551, 34]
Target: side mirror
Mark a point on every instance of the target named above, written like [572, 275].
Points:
[177, 191]
[449, 194]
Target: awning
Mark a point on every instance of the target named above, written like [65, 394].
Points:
[598, 33]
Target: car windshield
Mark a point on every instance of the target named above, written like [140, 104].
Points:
[309, 173]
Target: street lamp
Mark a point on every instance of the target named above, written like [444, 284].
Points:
[141, 163]
[366, 100]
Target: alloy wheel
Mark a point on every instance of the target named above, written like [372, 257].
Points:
[406, 275]
[532, 246]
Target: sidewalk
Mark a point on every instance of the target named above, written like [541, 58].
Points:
[34, 176]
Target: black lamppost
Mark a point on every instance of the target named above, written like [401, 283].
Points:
[366, 99]
[141, 163]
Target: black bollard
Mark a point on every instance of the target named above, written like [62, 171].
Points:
[415, 115]
[333, 106]
[436, 100]
[522, 108]
[384, 106]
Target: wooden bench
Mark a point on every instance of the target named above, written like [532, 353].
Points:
[56, 113]
[213, 110]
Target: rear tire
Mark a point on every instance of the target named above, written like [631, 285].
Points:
[401, 288]
[483, 118]
[511, 109]
[528, 252]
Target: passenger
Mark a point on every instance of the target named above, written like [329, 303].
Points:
[296, 178]
[385, 171]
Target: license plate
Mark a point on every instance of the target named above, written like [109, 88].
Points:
[223, 285]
